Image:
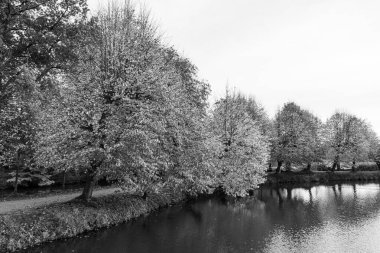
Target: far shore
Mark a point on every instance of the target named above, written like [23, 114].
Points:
[321, 177]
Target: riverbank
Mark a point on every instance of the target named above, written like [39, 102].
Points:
[20, 230]
[29, 227]
[321, 177]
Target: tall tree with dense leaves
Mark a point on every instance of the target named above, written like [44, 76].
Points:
[296, 137]
[131, 109]
[345, 139]
[241, 150]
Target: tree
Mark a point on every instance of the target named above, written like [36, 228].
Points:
[37, 38]
[37, 35]
[17, 129]
[131, 109]
[345, 139]
[296, 137]
[240, 149]
[373, 142]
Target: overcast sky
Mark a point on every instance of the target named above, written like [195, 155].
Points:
[322, 54]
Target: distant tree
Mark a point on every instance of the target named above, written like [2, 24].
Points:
[240, 148]
[296, 137]
[345, 138]
[373, 143]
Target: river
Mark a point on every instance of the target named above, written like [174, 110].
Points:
[328, 218]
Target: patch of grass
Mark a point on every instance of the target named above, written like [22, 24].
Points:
[34, 226]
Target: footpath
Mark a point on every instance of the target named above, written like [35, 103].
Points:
[22, 204]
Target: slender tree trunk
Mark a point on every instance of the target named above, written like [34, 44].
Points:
[336, 164]
[354, 165]
[280, 200]
[310, 195]
[288, 193]
[88, 187]
[16, 179]
[279, 164]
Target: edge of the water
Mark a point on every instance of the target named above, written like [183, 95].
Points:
[322, 177]
[22, 230]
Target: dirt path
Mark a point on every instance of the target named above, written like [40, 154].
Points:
[16, 205]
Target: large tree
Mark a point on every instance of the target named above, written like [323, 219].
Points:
[131, 109]
[345, 138]
[239, 147]
[296, 137]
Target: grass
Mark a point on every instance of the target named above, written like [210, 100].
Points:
[29, 228]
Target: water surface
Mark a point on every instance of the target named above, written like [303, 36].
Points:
[337, 218]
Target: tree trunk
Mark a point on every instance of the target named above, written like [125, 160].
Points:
[88, 187]
[19, 164]
[336, 163]
[288, 193]
[308, 168]
[338, 166]
[270, 167]
[279, 164]
[354, 165]
[16, 179]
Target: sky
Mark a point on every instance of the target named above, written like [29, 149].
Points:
[322, 54]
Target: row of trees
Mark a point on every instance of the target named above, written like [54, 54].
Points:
[295, 137]
[299, 137]
[104, 96]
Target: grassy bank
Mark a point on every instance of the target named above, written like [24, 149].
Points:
[322, 177]
[34, 226]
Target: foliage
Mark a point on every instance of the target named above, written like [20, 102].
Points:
[239, 147]
[297, 136]
[39, 36]
[346, 139]
[131, 109]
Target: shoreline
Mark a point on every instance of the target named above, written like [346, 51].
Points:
[321, 177]
[21, 230]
